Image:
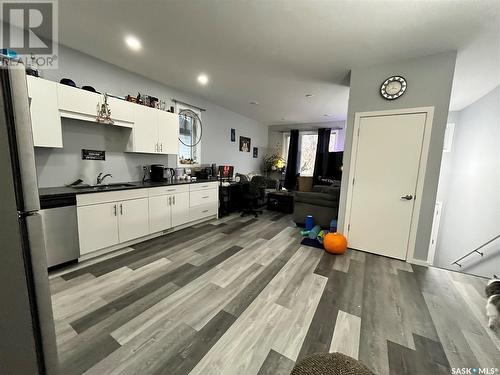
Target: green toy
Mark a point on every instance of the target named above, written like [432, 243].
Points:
[315, 233]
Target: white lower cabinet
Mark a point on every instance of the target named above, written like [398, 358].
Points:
[160, 217]
[97, 227]
[180, 209]
[109, 218]
[167, 211]
[107, 224]
[133, 219]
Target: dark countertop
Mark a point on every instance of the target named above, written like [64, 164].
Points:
[69, 192]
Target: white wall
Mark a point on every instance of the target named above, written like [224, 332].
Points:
[57, 167]
[469, 188]
[429, 84]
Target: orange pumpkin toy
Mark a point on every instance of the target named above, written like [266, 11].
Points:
[335, 243]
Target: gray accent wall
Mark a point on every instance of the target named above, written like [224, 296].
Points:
[469, 188]
[57, 167]
[429, 84]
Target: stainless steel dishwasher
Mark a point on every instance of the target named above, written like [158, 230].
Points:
[60, 227]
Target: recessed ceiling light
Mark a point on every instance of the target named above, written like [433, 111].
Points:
[133, 43]
[203, 79]
[309, 95]
[254, 103]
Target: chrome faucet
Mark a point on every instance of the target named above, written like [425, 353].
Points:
[100, 177]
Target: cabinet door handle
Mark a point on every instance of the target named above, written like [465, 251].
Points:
[169, 201]
[206, 196]
[161, 146]
[173, 199]
[204, 211]
[114, 209]
[170, 189]
[121, 209]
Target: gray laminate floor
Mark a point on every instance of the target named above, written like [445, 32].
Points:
[241, 296]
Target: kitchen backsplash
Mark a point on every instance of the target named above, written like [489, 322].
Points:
[58, 167]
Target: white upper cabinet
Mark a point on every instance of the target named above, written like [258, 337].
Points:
[154, 131]
[122, 112]
[168, 132]
[77, 103]
[82, 105]
[45, 119]
[144, 136]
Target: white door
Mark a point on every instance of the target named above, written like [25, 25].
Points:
[160, 213]
[180, 209]
[45, 118]
[168, 132]
[145, 130]
[385, 180]
[133, 219]
[97, 226]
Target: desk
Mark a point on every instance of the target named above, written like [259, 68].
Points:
[230, 197]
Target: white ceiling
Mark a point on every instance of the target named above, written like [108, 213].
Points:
[274, 52]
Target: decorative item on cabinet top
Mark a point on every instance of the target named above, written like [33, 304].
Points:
[104, 112]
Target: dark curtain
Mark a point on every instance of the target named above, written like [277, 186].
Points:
[292, 161]
[321, 162]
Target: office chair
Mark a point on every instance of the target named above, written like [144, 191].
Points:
[255, 191]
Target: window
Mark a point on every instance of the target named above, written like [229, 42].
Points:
[308, 141]
[286, 145]
[332, 146]
[307, 152]
[188, 134]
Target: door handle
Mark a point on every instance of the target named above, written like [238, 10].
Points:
[161, 146]
[173, 199]
[114, 208]
[121, 209]
[169, 201]
[407, 197]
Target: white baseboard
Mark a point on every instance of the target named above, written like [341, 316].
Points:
[418, 262]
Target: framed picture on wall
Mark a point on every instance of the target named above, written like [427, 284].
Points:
[233, 135]
[245, 144]
[255, 152]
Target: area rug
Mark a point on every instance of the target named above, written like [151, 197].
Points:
[330, 364]
[312, 243]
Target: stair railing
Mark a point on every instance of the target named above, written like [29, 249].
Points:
[476, 250]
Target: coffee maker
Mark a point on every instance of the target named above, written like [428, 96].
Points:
[160, 173]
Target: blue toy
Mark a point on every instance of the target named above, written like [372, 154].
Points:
[309, 222]
[333, 225]
[313, 233]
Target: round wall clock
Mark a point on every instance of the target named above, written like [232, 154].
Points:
[393, 87]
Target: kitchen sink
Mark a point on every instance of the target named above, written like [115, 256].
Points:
[103, 186]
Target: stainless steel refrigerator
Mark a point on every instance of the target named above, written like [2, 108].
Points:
[27, 335]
